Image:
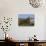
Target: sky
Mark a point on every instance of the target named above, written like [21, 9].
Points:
[24, 16]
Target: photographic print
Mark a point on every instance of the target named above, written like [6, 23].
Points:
[26, 20]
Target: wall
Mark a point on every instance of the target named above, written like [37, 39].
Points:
[12, 8]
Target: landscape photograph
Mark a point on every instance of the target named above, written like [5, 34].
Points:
[26, 20]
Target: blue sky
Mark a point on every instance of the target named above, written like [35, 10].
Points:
[24, 16]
